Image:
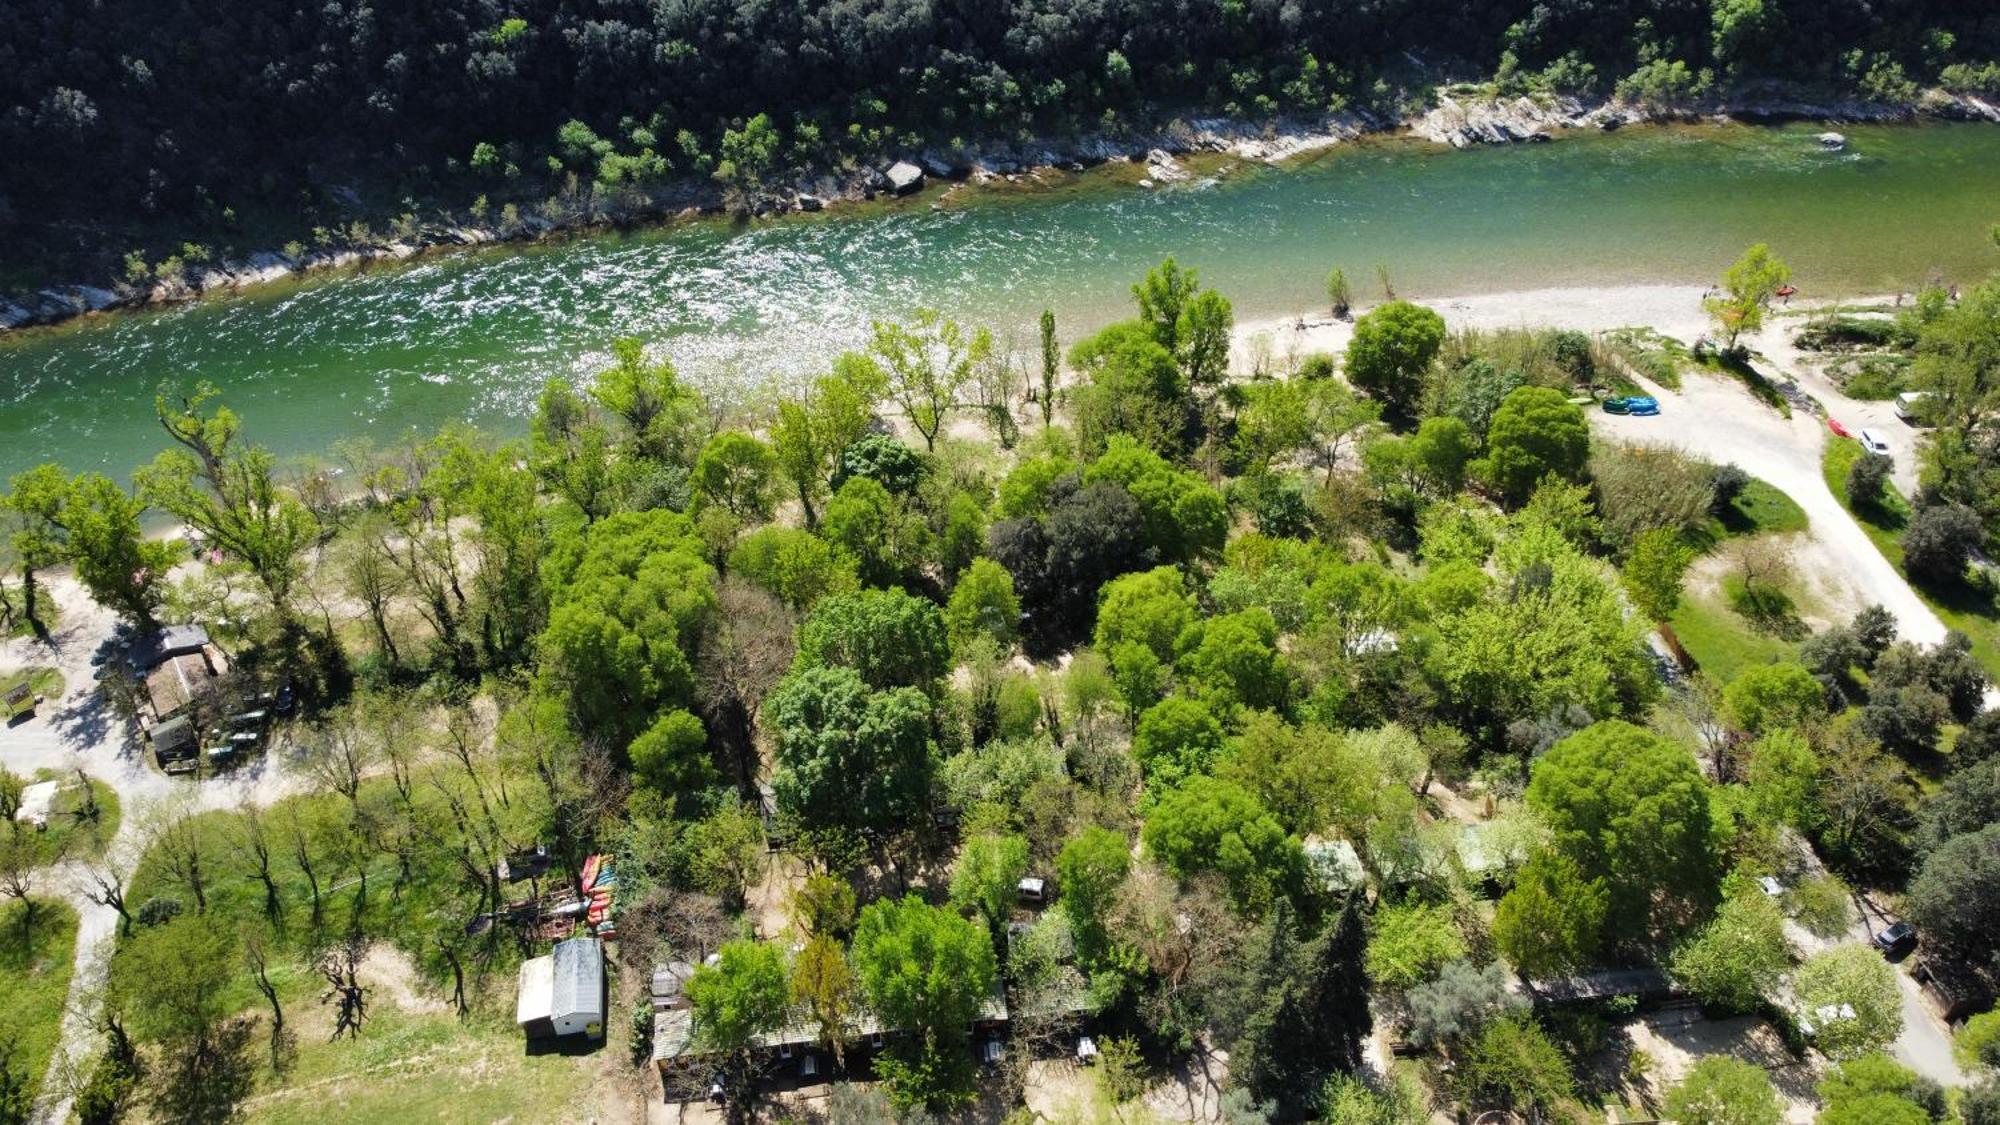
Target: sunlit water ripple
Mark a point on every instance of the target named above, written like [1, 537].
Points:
[472, 336]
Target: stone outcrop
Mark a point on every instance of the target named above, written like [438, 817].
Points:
[904, 177]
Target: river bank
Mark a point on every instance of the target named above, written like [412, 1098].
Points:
[1149, 158]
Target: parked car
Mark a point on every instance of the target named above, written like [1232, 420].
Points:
[1873, 443]
[1910, 407]
[1632, 404]
[1897, 940]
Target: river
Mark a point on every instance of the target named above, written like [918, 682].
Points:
[471, 336]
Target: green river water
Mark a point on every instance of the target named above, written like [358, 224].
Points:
[470, 336]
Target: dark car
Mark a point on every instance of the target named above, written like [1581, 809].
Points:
[1897, 939]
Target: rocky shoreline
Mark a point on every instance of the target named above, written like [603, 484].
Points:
[1460, 123]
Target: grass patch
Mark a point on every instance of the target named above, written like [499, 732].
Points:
[1763, 508]
[1658, 358]
[74, 831]
[433, 1067]
[40, 680]
[1744, 372]
[1721, 641]
[1964, 608]
[45, 608]
[35, 968]
[1873, 378]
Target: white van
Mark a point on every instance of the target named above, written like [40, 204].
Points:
[1909, 407]
[1873, 443]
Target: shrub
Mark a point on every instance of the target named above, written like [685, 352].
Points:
[158, 910]
[1866, 479]
[1939, 542]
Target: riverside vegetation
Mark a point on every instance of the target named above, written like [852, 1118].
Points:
[1175, 640]
[328, 127]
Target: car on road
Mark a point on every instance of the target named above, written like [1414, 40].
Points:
[1644, 405]
[1897, 940]
[1873, 442]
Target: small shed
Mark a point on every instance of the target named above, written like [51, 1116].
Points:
[670, 985]
[161, 645]
[173, 740]
[563, 993]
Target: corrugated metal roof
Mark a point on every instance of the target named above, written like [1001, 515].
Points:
[173, 640]
[579, 979]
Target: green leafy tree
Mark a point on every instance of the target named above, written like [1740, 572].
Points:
[1536, 433]
[1632, 808]
[1734, 962]
[1211, 825]
[1552, 920]
[745, 992]
[823, 982]
[737, 472]
[1654, 571]
[1720, 1090]
[671, 757]
[1392, 350]
[987, 876]
[1186, 518]
[1176, 739]
[877, 528]
[1163, 296]
[848, 756]
[663, 416]
[983, 604]
[1750, 284]
[1514, 1063]
[624, 617]
[890, 638]
[1339, 294]
[1849, 977]
[573, 452]
[926, 971]
[1133, 386]
[1233, 661]
[1089, 872]
[35, 498]
[1409, 943]
[1874, 1089]
[793, 565]
[1773, 697]
[929, 363]
[1051, 366]
[1955, 898]
[114, 560]
[228, 492]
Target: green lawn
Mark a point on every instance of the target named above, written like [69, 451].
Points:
[40, 680]
[1760, 509]
[1721, 641]
[34, 979]
[1964, 608]
[73, 831]
[433, 1067]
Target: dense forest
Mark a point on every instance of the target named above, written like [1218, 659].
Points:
[122, 118]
